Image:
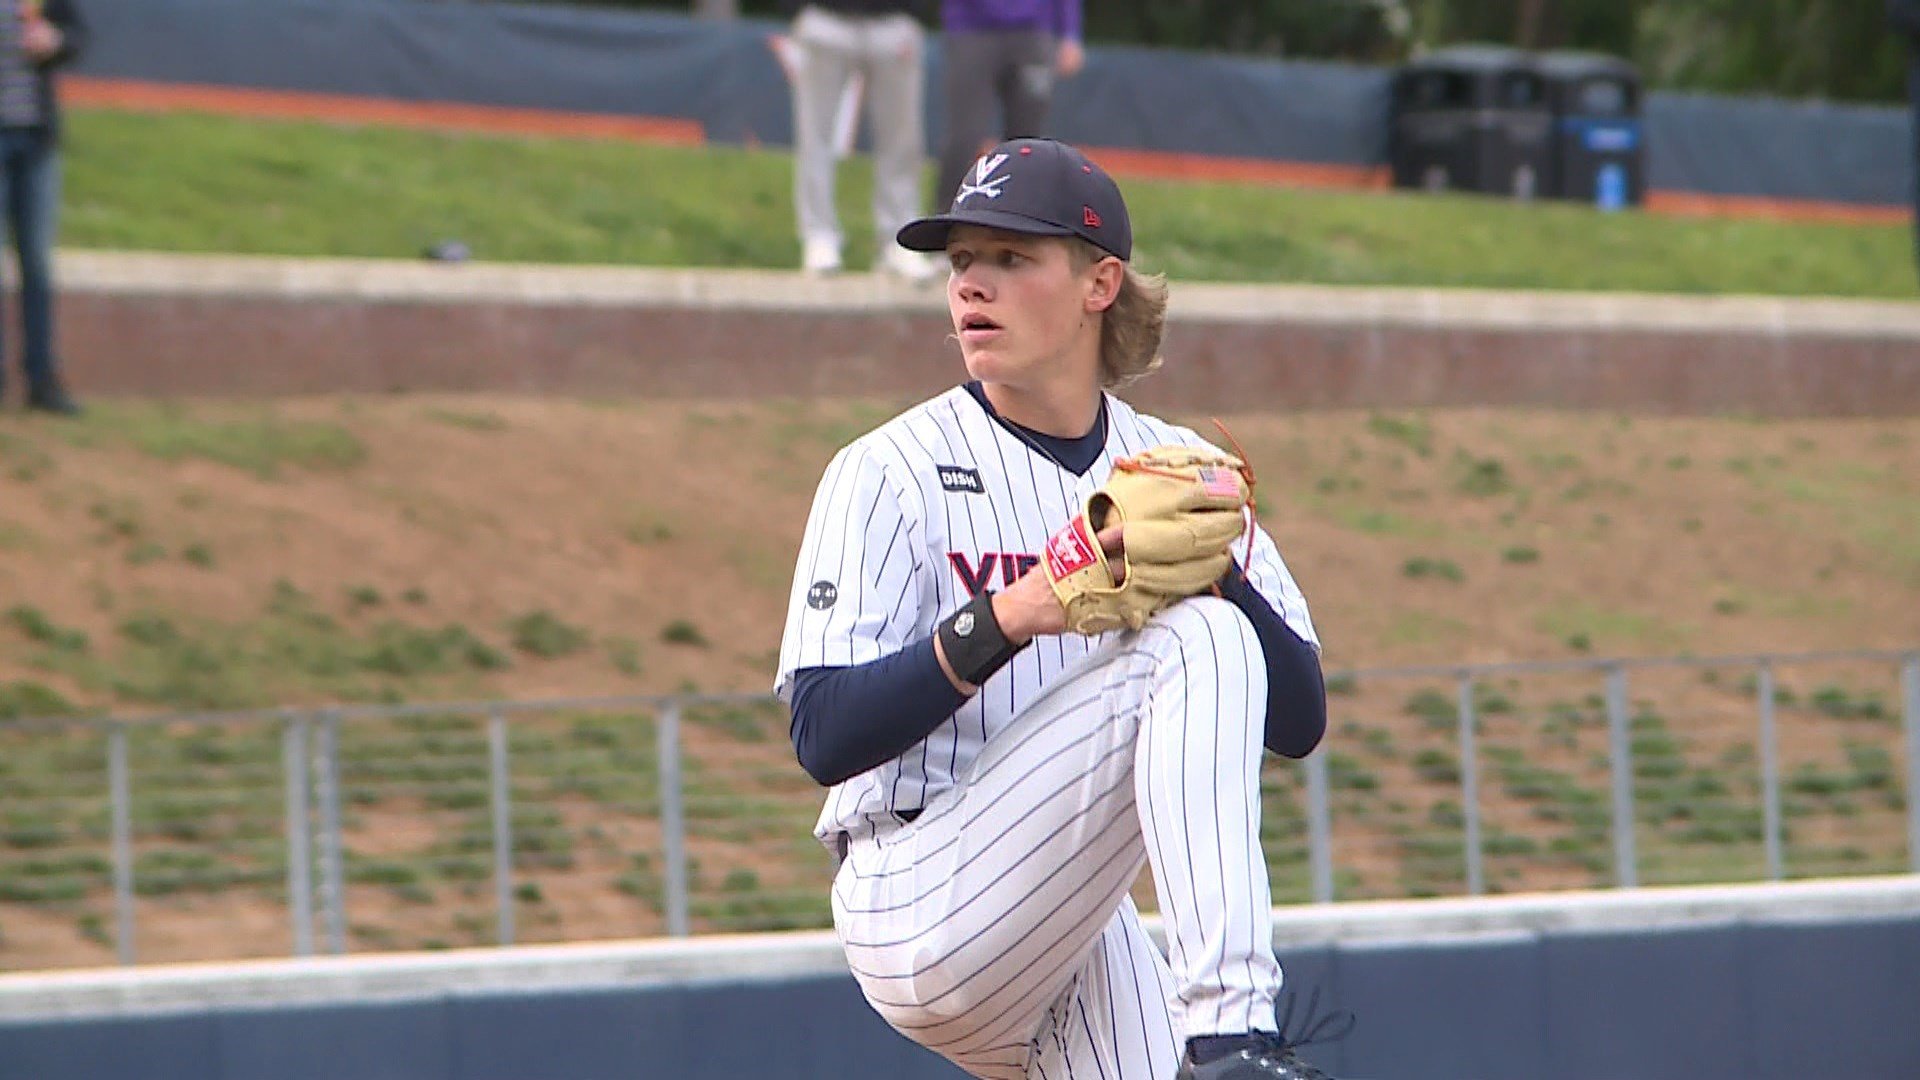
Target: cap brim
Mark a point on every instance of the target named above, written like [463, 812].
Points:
[930, 233]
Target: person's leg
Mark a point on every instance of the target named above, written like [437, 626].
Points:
[969, 105]
[1029, 80]
[895, 72]
[34, 209]
[1198, 782]
[1113, 1022]
[10, 179]
[1913, 95]
[966, 926]
[823, 66]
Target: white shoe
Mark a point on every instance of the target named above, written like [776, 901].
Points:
[909, 266]
[819, 257]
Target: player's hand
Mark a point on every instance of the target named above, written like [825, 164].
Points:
[39, 39]
[786, 54]
[1028, 608]
[1071, 57]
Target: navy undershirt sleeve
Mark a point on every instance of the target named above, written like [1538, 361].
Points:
[847, 720]
[1296, 690]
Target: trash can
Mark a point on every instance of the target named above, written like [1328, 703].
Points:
[1599, 141]
[1471, 118]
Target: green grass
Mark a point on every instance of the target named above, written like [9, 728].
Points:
[1423, 628]
[540, 634]
[290, 651]
[1612, 629]
[213, 184]
[1413, 432]
[1861, 498]
[25, 697]
[1422, 566]
[35, 626]
[683, 632]
[22, 460]
[470, 421]
[1364, 517]
[262, 443]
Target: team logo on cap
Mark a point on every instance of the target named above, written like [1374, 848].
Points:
[984, 182]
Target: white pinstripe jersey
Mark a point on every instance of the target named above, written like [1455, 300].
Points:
[909, 521]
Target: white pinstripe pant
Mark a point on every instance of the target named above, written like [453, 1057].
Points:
[996, 928]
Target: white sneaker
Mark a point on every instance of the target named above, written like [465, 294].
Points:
[909, 266]
[819, 257]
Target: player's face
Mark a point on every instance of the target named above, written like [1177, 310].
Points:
[1019, 306]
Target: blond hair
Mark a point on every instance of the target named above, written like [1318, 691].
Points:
[1131, 328]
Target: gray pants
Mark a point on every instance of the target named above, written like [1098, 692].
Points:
[889, 53]
[997, 71]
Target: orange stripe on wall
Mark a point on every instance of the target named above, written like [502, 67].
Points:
[1693, 204]
[342, 108]
[1171, 166]
[283, 104]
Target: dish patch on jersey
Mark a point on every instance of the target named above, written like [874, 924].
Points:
[821, 595]
[955, 478]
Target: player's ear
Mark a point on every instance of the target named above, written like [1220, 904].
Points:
[1104, 279]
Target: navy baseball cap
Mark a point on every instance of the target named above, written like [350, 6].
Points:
[1040, 187]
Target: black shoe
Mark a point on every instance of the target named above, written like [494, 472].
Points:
[52, 399]
[1266, 1057]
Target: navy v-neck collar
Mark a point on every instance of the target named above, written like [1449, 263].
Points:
[1077, 455]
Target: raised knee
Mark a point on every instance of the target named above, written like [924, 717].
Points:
[943, 992]
[1207, 615]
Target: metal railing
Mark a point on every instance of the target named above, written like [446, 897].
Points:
[199, 836]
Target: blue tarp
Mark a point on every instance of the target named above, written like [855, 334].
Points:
[724, 76]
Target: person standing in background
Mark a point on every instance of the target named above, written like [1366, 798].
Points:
[1004, 55]
[883, 43]
[36, 37]
[1905, 16]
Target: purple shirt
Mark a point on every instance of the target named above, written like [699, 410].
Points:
[1059, 17]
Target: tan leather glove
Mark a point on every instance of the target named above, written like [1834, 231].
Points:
[1180, 509]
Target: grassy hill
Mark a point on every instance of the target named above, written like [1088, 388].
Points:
[200, 183]
[197, 556]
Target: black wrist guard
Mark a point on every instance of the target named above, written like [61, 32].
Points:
[973, 641]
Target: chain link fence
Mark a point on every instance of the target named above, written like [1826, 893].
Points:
[193, 837]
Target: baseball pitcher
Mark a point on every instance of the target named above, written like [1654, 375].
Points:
[1036, 641]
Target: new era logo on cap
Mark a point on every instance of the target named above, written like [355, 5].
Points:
[1040, 187]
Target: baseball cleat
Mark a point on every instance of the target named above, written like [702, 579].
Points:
[820, 257]
[908, 266]
[1270, 1058]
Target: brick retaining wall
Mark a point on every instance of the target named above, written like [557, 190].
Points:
[149, 325]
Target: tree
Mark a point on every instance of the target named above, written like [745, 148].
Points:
[1838, 49]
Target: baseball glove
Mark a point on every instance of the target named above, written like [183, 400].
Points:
[1180, 507]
